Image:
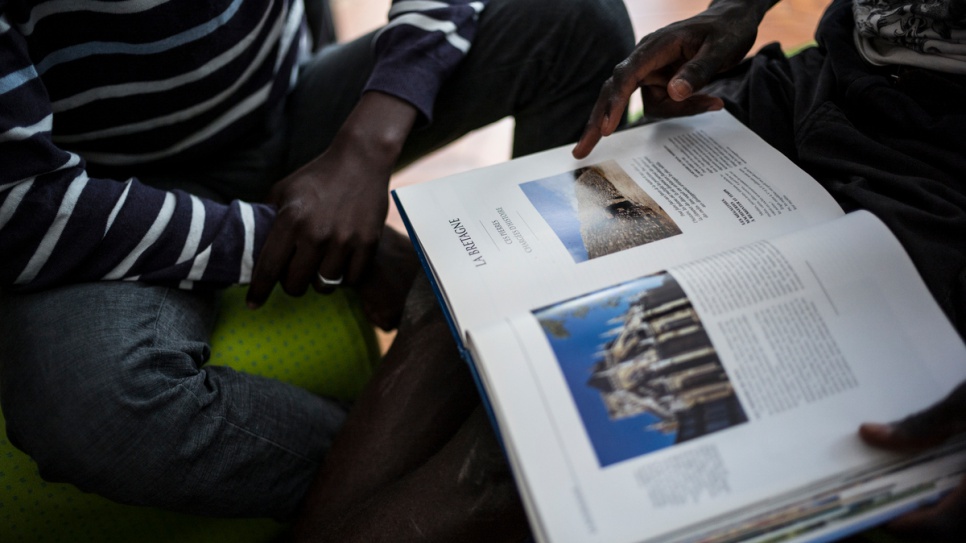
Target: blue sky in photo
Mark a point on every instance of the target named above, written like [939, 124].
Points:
[587, 320]
[554, 198]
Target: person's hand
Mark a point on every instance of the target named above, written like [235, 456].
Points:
[946, 520]
[384, 287]
[672, 64]
[331, 212]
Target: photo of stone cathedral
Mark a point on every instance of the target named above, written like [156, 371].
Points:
[660, 361]
[640, 367]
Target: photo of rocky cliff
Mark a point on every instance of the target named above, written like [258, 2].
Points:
[599, 210]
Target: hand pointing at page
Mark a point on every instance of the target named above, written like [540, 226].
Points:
[672, 64]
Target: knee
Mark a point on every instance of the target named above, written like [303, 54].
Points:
[588, 22]
[90, 423]
[608, 17]
[90, 379]
[57, 440]
[604, 28]
[581, 36]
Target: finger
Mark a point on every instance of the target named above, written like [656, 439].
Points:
[690, 78]
[658, 105]
[269, 266]
[588, 140]
[924, 429]
[324, 284]
[646, 66]
[652, 55]
[884, 436]
[600, 123]
[940, 421]
[590, 137]
[591, 134]
[360, 262]
[302, 269]
[617, 94]
[891, 437]
[332, 267]
[698, 72]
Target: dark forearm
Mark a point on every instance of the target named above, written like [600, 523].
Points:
[378, 127]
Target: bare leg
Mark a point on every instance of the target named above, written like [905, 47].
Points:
[384, 287]
[416, 458]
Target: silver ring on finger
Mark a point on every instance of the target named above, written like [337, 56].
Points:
[326, 282]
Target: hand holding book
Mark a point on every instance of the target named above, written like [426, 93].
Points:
[925, 429]
[725, 411]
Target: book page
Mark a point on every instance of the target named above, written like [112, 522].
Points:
[635, 411]
[524, 233]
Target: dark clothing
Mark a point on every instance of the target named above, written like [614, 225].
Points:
[105, 384]
[888, 139]
[95, 97]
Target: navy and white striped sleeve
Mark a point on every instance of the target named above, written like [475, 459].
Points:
[57, 225]
[420, 46]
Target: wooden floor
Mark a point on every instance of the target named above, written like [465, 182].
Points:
[791, 22]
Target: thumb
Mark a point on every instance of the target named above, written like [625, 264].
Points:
[680, 89]
[711, 58]
[924, 429]
[694, 74]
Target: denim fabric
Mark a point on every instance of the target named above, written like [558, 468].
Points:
[105, 384]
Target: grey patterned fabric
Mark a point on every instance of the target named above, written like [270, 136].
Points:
[925, 33]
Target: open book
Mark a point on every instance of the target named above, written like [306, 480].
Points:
[679, 336]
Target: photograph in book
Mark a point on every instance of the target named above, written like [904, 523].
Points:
[599, 210]
[640, 367]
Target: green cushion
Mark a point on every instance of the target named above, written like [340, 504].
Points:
[321, 343]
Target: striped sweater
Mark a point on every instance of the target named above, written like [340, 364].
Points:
[95, 84]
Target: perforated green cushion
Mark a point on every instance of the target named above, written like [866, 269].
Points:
[321, 343]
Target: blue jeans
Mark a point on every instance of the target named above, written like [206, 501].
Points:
[105, 384]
